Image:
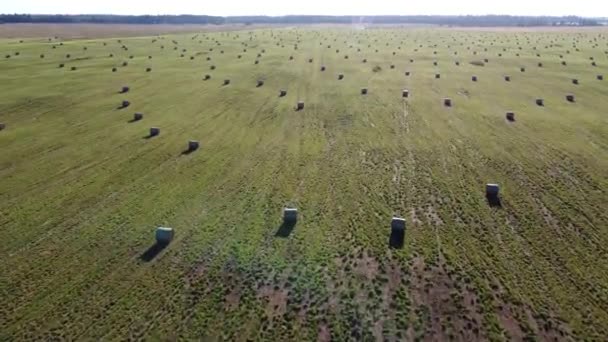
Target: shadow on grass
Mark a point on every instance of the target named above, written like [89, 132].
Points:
[153, 251]
[148, 136]
[285, 229]
[187, 151]
[494, 201]
[396, 239]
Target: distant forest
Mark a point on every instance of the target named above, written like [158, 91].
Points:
[484, 20]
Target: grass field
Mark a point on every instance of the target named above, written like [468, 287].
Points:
[82, 189]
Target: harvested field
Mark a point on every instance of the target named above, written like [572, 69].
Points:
[83, 185]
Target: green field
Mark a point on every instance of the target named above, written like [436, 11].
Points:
[82, 188]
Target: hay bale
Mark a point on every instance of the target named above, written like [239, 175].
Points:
[492, 190]
[282, 93]
[193, 145]
[364, 60]
[125, 104]
[407, 73]
[154, 131]
[435, 63]
[363, 91]
[226, 82]
[510, 116]
[405, 93]
[73, 68]
[68, 56]
[564, 63]
[42, 56]
[437, 76]
[212, 67]
[61, 65]
[540, 102]
[256, 62]
[148, 69]
[600, 77]
[323, 68]
[138, 116]
[474, 78]
[522, 69]
[540, 65]
[207, 77]
[457, 63]
[2, 126]
[164, 235]
[124, 64]
[574, 81]
[508, 78]
[260, 83]
[290, 58]
[392, 66]
[340, 76]
[290, 215]
[300, 105]
[124, 89]
[310, 60]
[570, 97]
[447, 102]
[397, 232]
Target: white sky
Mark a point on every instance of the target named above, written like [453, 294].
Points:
[587, 8]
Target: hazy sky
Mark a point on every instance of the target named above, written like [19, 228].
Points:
[330, 7]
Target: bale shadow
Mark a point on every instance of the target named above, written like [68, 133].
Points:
[187, 151]
[396, 239]
[153, 251]
[285, 229]
[148, 136]
[494, 201]
[133, 120]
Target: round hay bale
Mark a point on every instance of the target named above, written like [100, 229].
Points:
[73, 68]
[212, 67]
[437, 76]
[593, 64]
[61, 65]
[600, 77]
[540, 102]
[114, 69]
[508, 78]
[364, 60]
[392, 66]
[363, 91]
[300, 105]
[574, 81]
[564, 63]
[405, 93]
[125, 104]
[42, 56]
[346, 57]
[540, 65]
[522, 69]
[131, 57]
[341, 76]
[124, 64]
[474, 78]
[256, 62]
[323, 68]
[407, 73]
[138, 116]
[492, 190]
[282, 93]
[291, 58]
[124, 89]
[191, 58]
[260, 83]
[226, 82]
[68, 56]
[154, 131]
[207, 77]
[457, 63]
[570, 97]
[310, 60]
[510, 116]
[290, 215]
[435, 63]
[164, 235]
[193, 145]
[111, 55]
[2, 126]
[447, 102]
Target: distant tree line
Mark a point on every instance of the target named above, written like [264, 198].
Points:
[483, 20]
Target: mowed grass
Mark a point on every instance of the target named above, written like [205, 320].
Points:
[82, 188]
